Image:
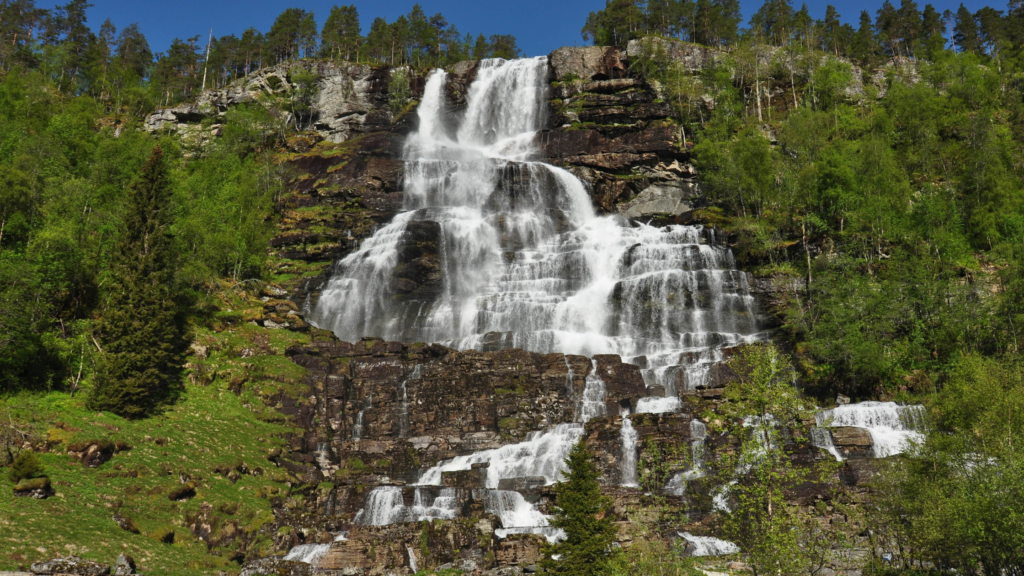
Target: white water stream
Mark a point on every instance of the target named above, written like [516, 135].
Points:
[524, 257]
[893, 427]
[525, 262]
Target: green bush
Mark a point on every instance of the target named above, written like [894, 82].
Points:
[25, 467]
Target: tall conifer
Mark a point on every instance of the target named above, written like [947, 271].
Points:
[140, 329]
[584, 514]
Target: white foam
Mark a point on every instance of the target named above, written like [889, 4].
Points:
[542, 454]
[709, 546]
[893, 427]
[658, 405]
[307, 553]
[628, 437]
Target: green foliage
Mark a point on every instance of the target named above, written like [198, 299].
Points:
[956, 487]
[25, 467]
[584, 514]
[141, 327]
[399, 91]
[761, 519]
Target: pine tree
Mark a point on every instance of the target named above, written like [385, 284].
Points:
[965, 33]
[583, 513]
[141, 330]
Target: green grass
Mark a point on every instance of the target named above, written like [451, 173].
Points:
[208, 427]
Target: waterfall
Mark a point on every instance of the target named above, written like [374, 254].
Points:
[708, 546]
[628, 437]
[822, 438]
[357, 428]
[522, 255]
[594, 396]
[412, 559]
[386, 505]
[676, 486]
[403, 406]
[698, 433]
[308, 553]
[519, 516]
[893, 427]
[541, 454]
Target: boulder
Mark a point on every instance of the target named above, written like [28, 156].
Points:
[124, 566]
[671, 198]
[126, 524]
[849, 436]
[71, 565]
[92, 453]
[38, 488]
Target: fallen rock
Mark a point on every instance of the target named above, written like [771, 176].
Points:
[124, 566]
[71, 565]
[665, 198]
[38, 488]
[126, 524]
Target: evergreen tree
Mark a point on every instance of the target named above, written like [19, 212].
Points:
[141, 330]
[965, 32]
[864, 46]
[583, 513]
[341, 35]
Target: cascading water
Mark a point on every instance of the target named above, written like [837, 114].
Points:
[524, 261]
[524, 258]
[307, 553]
[594, 395]
[403, 405]
[893, 427]
[708, 546]
[628, 437]
[541, 455]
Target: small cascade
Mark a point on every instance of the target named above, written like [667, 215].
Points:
[707, 545]
[594, 397]
[412, 559]
[676, 485]
[629, 437]
[357, 428]
[322, 455]
[822, 438]
[698, 432]
[658, 405]
[386, 505]
[541, 454]
[403, 406]
[308, 553]
[893, 427]
[518, 516]
[570, 386]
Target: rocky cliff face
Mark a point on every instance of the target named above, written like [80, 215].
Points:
[378, 414]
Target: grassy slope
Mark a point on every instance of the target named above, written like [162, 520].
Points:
[208, 427]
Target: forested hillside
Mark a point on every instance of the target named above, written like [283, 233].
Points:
[868, 174]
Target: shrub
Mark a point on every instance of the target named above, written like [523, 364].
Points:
[25, 467]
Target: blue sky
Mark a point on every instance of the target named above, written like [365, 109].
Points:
[539, 25]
